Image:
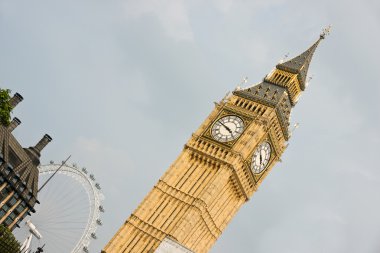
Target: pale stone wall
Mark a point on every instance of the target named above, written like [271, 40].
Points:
[170, 246]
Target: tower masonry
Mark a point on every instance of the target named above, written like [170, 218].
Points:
[220, 167]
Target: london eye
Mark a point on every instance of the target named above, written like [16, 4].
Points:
[69, 211]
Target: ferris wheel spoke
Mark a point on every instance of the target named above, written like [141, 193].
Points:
[64, 222]
[51, 192]
[66, 214]
[60, 239]
[69, 193]
[70, 205]
[62, 215]
[67, 211]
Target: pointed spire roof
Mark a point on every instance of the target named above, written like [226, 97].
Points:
[300, 64]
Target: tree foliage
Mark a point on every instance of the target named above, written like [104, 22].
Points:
[8, 243]
[5, 107]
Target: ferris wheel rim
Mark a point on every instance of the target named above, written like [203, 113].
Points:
[94, 195]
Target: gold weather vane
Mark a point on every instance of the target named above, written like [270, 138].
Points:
[308, 80]
[282, 60]
[244, 81]
[325, 31]
[295, 126]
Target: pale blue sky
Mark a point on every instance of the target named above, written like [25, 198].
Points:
[121, 85]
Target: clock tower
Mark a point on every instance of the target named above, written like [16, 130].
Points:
[220, 167]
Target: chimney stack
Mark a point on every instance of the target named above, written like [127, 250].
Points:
[17, 98]
[15, 122]
[42, 143]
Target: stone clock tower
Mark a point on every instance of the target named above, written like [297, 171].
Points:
[220, 167]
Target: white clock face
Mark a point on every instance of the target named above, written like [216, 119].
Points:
[227, 128]
[260, 158]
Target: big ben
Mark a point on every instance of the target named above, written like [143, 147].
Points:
[220, 167]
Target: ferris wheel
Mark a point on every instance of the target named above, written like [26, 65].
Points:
[69, 210]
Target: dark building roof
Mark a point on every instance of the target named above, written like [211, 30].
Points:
[300, 64]
[271, 95]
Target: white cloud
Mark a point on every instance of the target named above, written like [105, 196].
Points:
[97, 150]
[224, 5]
[171, 14]
[101, 159]
[227, 6]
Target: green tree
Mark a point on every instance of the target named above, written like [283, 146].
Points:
[8, 243]
[5, 107]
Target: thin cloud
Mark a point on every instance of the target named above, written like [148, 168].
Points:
[171, 14]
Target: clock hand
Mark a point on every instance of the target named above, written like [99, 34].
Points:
[261, 158]
[226, 127]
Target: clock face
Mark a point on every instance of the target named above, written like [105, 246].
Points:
[227, 128]
[260, 158]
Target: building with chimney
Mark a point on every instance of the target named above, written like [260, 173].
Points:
[18, 173]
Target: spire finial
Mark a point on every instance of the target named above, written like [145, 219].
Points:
[284, 58]
[308, 80]
[325, 31]
[244, 81]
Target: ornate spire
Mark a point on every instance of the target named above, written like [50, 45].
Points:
[300, 64]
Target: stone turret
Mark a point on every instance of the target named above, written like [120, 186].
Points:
[35, 152]
[42, 143]
[14, 123]
[17, 98]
